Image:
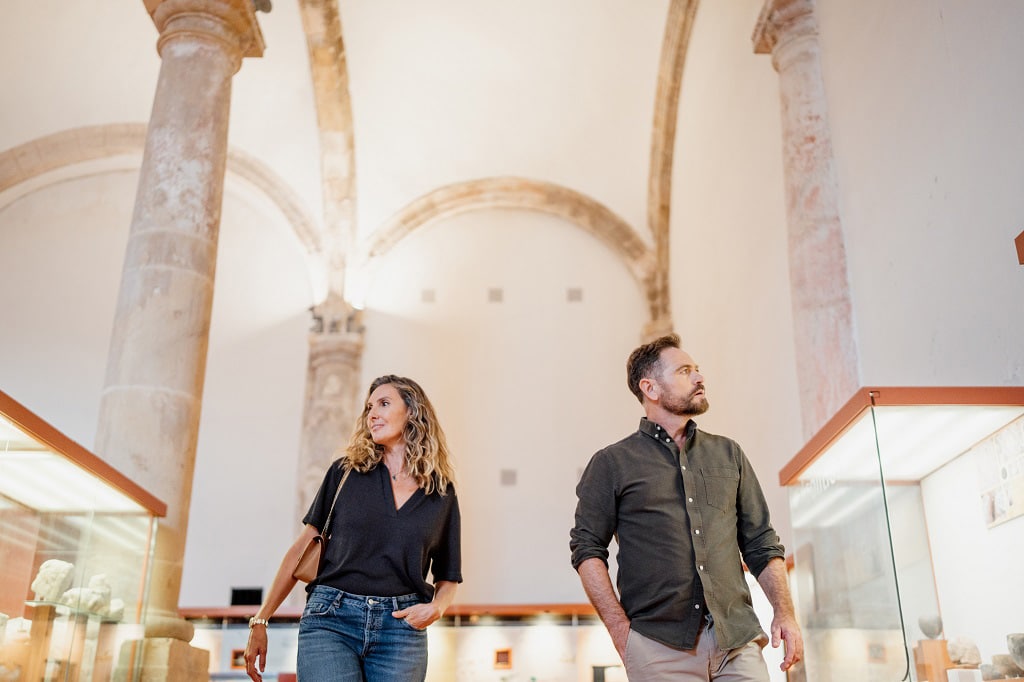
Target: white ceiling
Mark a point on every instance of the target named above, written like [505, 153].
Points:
[454, 90]
[445, 91]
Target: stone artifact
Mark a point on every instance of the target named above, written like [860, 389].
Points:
[931, 626]
[1015, 643]
[1004, 665]
[988, 673]
[101, 588]
[82, 599]
[53, 579]
[116, 609]
[963, 651]
[95, 598]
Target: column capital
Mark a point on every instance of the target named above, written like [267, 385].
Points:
[782, 21]
[334, 315]
[337, 333]
[229, 22]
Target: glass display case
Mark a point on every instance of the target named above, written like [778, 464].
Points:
[908, 526]
[76, 542]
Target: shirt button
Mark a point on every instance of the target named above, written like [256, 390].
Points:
[689, 499]
[697, 606]
[697, 531]
[684, 468]
[701, 567]
[668, 440]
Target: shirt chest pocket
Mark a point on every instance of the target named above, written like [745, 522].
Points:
[720, 484]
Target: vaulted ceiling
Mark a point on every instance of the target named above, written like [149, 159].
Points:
[349, 132]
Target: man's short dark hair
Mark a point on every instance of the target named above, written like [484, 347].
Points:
[645, 362]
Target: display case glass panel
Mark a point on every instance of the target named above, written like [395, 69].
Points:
[76, 543]
[906, 497]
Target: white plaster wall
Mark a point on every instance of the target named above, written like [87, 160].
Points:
[61, 252]
[977, 569]
[534, 384]
[924, 100]
[72, 64]
[61, 248]
[63, 68]
[454, 90]
[730, 280]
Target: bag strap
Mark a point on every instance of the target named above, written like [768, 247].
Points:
[327, 523]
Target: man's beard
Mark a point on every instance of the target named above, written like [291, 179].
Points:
[690, 406]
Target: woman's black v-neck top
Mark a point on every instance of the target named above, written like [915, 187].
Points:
[377, 550]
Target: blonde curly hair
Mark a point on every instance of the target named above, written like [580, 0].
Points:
[426, 451]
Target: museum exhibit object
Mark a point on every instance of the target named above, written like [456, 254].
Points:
[76, 543]
[907, 510]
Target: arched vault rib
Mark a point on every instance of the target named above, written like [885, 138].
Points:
[530, 195]
[328, 65]
[674, 46]
[90, 143]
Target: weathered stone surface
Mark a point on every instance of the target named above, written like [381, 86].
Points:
[149, 412]
[1015, 644]
[678, 26]
[333, 392]
[163, 660]
[322, 24]
[828, 367]
[964, 651]
[1004, 665]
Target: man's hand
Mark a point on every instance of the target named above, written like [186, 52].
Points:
[620, 634]
[598, 586]
[774, 580]
[785, 629]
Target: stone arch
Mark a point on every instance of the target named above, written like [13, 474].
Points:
[50, 153]
[591, 216]
[675, 44]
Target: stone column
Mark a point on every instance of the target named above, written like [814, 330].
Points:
[333, 392]
[828, 371]
[149, 412]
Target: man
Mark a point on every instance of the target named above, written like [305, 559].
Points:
[684, 505]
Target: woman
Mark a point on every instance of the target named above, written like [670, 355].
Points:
[396, 517]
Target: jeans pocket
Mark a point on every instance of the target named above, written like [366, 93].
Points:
[410, 626]
[317, 605]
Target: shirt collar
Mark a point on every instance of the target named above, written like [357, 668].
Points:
[653, 430]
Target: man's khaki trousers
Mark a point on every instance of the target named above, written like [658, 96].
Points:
[651, 661]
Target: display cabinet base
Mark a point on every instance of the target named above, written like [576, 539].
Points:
[931, 659]
[163, 660]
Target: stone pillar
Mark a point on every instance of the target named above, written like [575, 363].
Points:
[149, 412]
[828, 370]
[333, 392]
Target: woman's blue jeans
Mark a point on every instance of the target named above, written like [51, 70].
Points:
[351, 638]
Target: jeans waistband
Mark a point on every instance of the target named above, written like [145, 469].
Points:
[398, 602]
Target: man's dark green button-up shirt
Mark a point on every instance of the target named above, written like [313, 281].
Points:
[682, 521]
